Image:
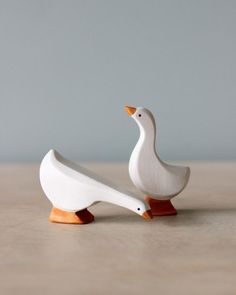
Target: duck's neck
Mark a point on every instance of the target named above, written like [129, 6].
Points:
[147, 137]
[122, 198]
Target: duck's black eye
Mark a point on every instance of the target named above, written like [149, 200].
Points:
[138, 209]
[140, 115]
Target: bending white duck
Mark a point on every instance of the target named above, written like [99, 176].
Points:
[72, 189]
[158, 180]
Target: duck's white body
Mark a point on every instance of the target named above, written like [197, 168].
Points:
[72, 188]
[148, 173]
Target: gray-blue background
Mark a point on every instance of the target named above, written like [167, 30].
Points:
[67, 68]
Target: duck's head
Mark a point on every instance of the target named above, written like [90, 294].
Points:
[130, 201]
[143, 117]
[143, 210]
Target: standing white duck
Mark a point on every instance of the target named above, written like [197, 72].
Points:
[158, 180]
[72, 189]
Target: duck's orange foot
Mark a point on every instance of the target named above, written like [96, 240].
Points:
[161, 207]
[79, 217]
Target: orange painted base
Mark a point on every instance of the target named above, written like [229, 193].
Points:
[161, 208]
[79, 217]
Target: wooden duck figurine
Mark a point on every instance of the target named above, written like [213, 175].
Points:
[158, 180]
[72, 189]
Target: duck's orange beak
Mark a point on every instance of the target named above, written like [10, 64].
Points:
[130, 110]
[147, 214]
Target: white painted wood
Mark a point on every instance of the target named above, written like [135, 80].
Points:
[147, 171]
[71, 187]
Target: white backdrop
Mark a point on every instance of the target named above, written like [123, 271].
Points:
[67, 68]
